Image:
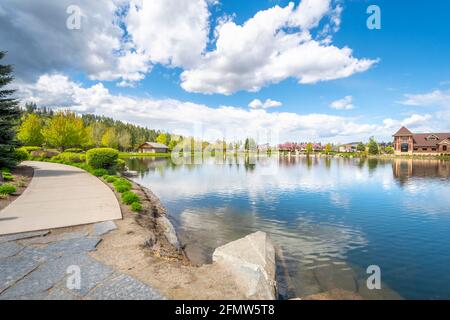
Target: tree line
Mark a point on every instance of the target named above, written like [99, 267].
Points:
[64, 129]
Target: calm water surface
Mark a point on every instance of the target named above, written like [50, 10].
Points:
[332, 218]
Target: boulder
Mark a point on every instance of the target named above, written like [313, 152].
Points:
[251, 260]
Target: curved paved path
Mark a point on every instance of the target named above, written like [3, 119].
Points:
[59, 196]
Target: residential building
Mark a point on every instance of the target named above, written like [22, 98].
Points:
[406, 142]
[153, 147]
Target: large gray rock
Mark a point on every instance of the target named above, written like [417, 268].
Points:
[169, 231]
[252, 261]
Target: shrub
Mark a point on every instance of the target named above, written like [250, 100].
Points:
[99, 172]
[21, 154]
[136, 207]
[71, 157]
[110, 179]
[74, 150]
[7, 189]
[102, 158]
[29, 149]
[5, 170]
[120, 165]
[121, 185]
[7, 176]
[130, 197]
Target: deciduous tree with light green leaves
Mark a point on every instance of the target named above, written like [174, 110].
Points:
[163, 138]
[373, 147]
[309, 148]
[328, 148]
[30, 131]
[65, 130]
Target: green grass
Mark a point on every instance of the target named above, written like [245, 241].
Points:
[130, 197]
[7, 188]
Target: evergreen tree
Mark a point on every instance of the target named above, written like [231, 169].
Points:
[9, 116]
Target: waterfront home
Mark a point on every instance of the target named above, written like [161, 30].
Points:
[153, 147]
[406, 142]
[349, 147]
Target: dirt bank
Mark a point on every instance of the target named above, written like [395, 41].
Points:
[144, 248]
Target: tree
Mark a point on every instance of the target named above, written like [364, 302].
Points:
[360, 147]
[163, 138]
[328, 148]
[30, 131]
[249, 145]
[309, 148]
[95, 132]
[373, 147]
[110, 138]
[65, 130]
[9, 116]
[124, 140]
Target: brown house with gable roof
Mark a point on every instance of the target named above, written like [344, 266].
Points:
[406, 142]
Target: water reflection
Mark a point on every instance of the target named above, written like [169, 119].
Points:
[331, 216]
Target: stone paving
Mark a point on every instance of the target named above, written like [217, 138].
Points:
[44, 266]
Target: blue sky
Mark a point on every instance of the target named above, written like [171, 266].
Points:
[398, 75]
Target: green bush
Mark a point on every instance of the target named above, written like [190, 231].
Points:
[99, 172]
[70, 157]
[122, 185]
[120, 165]
[5, 170]
[102, 158]
[21, 154]
[7, 189]
[7, 176]
[130, 197]
[74, 150]
[110, 179]
[136, 207]
[29, 149]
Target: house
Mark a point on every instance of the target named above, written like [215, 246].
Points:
[153, 147]
[406, 142]
[349, 147]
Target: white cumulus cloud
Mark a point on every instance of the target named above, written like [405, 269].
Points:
[273, 45]
[269, 103]
[345, 103]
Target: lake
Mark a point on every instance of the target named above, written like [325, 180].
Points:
[331, 217]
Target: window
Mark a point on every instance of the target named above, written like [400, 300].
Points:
[432, 138]
[444, 148]
[405, 139]
[433, 149]
[405, 147]
[416, 149]
[424, 149]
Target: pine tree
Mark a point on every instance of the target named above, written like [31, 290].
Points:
[9, 116]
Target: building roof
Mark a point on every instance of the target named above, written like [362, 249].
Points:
[155, 145]
[403, 132]
[421, 139]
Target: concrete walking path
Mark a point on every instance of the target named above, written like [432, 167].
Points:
[59, 196]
